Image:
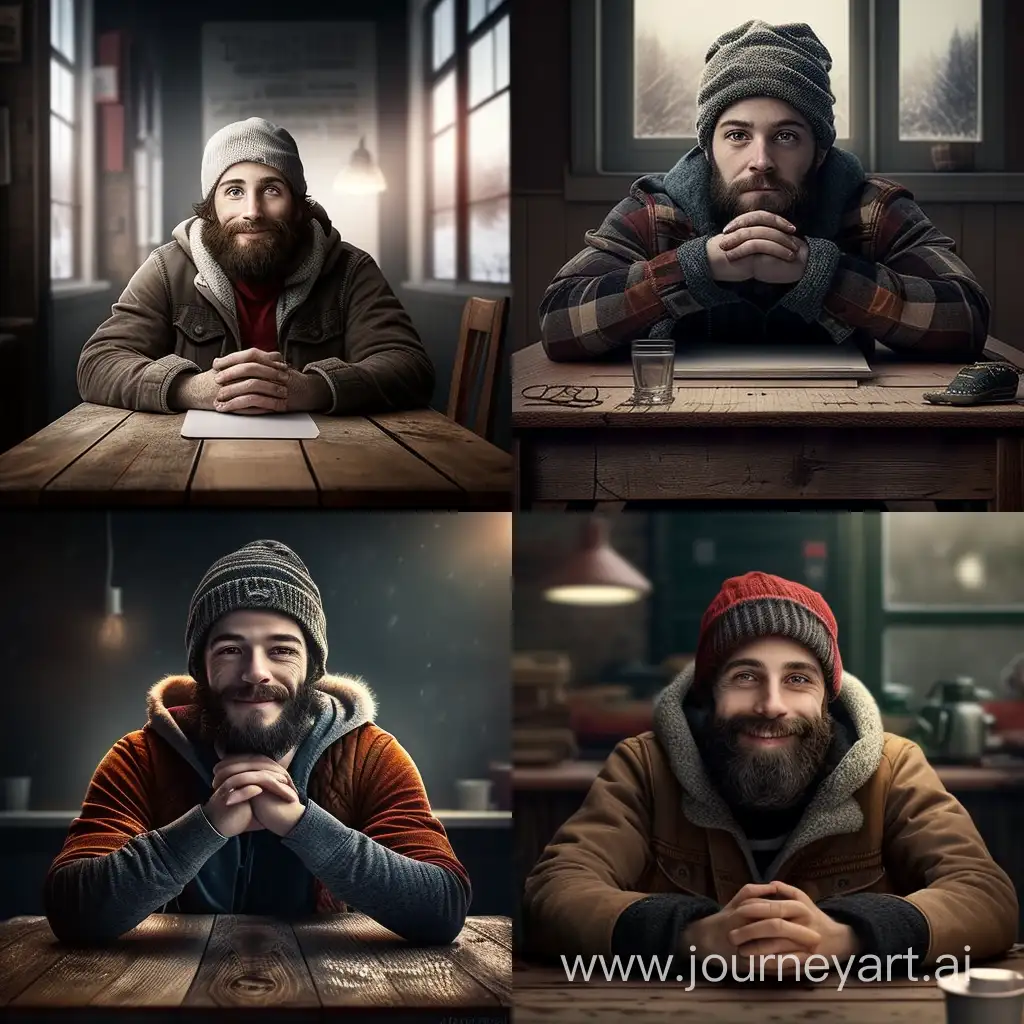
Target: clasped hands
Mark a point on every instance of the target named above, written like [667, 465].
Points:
[252, 382]
[758, 245]
[773, 919]
[250, 793]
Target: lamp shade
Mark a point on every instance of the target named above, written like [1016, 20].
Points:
[596, 574]
[362, 176]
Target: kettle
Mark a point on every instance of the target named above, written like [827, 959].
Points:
[956, 723]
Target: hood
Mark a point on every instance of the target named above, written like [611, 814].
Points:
[211, 279]
[832, 809]
[688, 185]
[343, 703]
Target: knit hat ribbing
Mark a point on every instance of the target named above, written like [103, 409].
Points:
[252, 141]
[267, 575]
[758, 605]
[786, 62]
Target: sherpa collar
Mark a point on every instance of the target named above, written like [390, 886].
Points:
[171, 702]
[688, 185]
[831, 811]
[323, 254]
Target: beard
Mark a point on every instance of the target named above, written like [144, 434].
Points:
[770, 779]
[251, 737]
[259, 259]
[794, 202]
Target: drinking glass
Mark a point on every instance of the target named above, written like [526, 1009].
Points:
[653, 364]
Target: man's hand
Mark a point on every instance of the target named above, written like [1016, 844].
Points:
[758, 245]
[253, 382]
[770, 920]
[277, 806]
[229, 810]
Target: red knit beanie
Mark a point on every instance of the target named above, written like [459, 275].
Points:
[758, 604]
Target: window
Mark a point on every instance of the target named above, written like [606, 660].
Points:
[948, 598]
[934, 68]
[467, 85]
[64, 140]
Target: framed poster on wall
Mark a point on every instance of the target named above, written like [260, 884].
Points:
[318, 80]
[10, 33]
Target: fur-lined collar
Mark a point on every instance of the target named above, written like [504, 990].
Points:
[832, 810]
[171, 703]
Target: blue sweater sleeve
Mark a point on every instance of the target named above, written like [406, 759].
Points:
[423, 903]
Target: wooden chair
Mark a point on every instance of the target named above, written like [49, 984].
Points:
[472, 398]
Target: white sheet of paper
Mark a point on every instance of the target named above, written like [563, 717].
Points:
[202, 423]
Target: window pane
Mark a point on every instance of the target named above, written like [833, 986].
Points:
[956, 560]
[489, 150]
[481, 69]
[501, 54]
[443, 102]
[62, 91]
[443, 230]
[443, 31]
[62, 139]
[62, 27]
[940, 70]
[62, 242]
[919, 656]
[443, 171]
[670, 38]
[489, 241]
[477, 12]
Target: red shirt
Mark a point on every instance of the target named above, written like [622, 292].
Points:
[256, 307]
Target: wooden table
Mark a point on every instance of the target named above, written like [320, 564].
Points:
[204, 968]
[418, 459]
[878, 441]
[543, 995]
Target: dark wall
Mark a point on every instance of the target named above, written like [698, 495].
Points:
[417, 605]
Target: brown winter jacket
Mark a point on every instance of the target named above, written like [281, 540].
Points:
[881, 822]
[337, 317]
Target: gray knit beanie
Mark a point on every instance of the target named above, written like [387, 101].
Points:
[265, 574]
[252, 141]
[786, 62]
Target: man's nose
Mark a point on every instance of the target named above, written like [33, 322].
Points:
[769, 700]
[760, 155]
[257, 668]
[253, 207]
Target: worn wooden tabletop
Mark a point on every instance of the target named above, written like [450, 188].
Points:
[579, 439]
[544, 994]
[201, 967]
[417, 459]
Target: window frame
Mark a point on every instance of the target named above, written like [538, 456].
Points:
[75, 68]
[874, 94]
[878, 619]
[458, 61]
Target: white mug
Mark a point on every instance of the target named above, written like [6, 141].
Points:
[473, 794]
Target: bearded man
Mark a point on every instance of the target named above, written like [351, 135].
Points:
[769, 814]
[259, 785]
[766, 230]
[257, 305]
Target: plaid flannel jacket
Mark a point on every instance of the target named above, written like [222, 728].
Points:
[889, 274]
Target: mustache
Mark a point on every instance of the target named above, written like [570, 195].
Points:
[774, 727]
[757, 183]
[263, 225]
[256, 693]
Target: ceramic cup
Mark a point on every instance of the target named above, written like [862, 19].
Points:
[984, 995]
[16, 793]
[473, 794]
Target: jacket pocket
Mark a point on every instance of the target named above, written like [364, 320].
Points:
[845, 882]
[199, 334]
[316, 335]
[678, 871]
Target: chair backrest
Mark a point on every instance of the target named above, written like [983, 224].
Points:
[472, 398]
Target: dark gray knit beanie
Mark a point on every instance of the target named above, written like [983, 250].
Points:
[266, 575]
[257, 141]
[786, 62]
